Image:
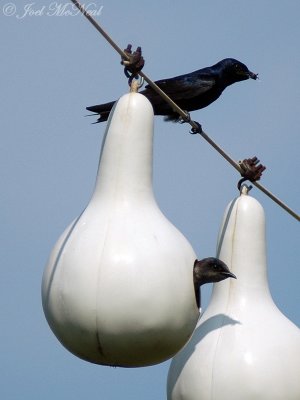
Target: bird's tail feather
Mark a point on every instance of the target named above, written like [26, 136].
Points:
[102, 109]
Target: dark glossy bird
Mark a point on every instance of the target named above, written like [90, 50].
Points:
[209, 270]
[191, 91]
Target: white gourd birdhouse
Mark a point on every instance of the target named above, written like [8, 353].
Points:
[243, 347]
[118, 287]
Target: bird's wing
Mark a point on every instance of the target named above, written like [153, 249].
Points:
[184, 87]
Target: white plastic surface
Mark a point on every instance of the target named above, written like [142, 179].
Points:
[118, 288]
[243, 348]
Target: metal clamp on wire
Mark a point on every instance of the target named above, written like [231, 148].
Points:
[251, 171]
[133, 64]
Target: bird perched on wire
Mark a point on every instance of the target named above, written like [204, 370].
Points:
[209, 270]
[191, 91]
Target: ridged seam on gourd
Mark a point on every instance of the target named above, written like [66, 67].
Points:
[229, 283]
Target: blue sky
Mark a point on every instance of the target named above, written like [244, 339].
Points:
[52, 68]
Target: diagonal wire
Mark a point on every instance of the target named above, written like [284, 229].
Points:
[182, 113]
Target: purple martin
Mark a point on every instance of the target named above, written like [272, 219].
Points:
[209, 270]
[191, 91]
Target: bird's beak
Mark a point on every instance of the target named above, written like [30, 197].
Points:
[252, 75]
[229, 274]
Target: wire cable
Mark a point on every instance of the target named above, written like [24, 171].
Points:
[182, 113]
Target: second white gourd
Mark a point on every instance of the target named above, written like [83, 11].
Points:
[243, 347]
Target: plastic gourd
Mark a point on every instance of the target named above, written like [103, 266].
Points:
[243, 348]
[118, 288]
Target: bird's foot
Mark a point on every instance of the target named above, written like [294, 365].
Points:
[183, 120]
[196, 129]
[251, 170]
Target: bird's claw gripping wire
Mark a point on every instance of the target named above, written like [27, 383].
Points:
[195, 130]
[188, 119]
[251, 170]
[134, 64]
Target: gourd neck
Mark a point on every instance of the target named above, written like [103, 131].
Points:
[125, 166]
[242, 246]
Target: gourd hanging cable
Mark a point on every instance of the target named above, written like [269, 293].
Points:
[196, 127]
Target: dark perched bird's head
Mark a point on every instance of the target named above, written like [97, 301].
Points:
[210, 270]
[234, 71]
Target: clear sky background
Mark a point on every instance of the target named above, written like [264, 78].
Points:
[52, 67]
